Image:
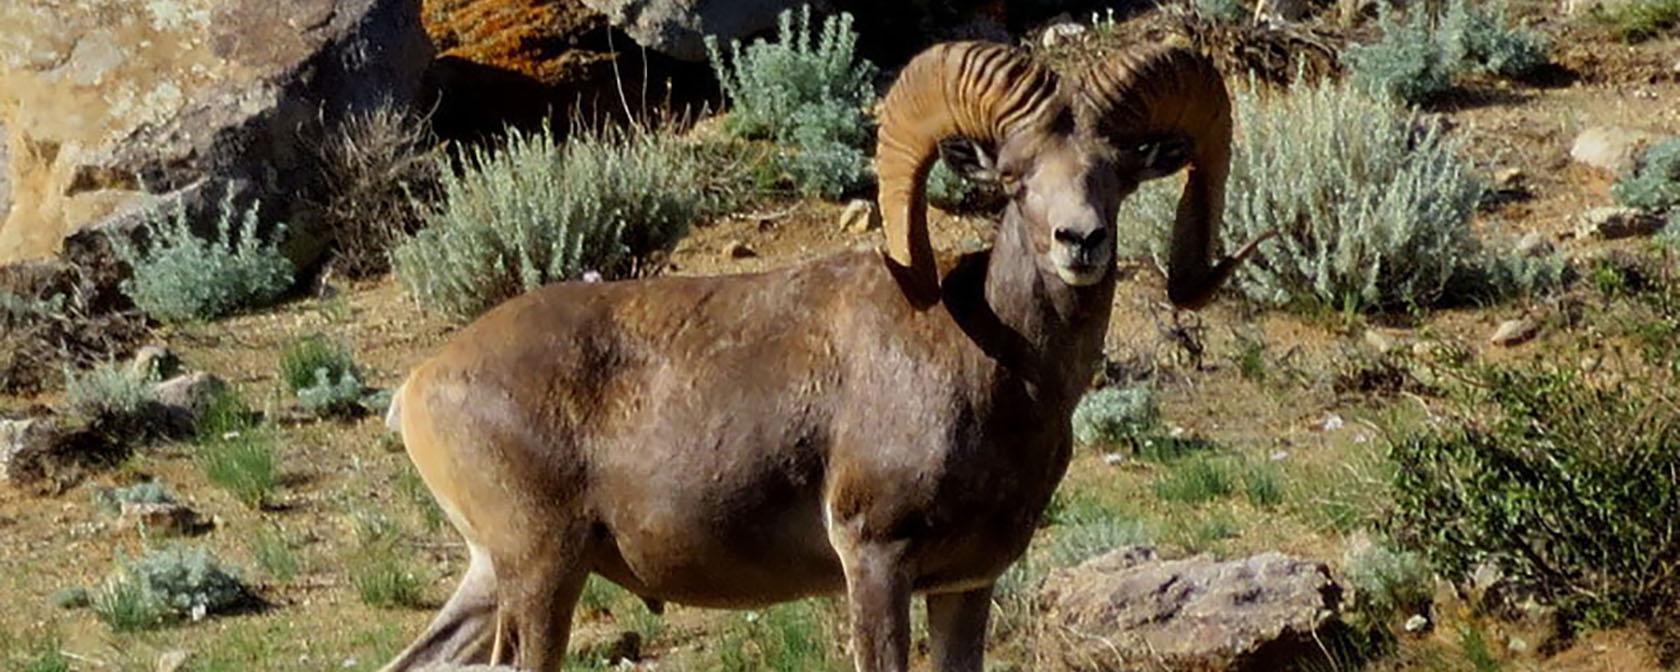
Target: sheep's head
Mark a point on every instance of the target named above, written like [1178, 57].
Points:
[1067, 150]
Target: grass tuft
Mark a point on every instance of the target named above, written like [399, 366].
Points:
[243, 463]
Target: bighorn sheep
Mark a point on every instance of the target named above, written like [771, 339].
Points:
[850, 424]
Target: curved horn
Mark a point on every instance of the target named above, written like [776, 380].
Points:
[980, 90]
[1174, 90]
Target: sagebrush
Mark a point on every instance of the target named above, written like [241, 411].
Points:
[1375, 216]
[166, 585]
[109, 393]
[322, 375]
[1116, 416]
[1420, 55]
[1655, 183]
[809, 97]
[180, 277]
[534, 211]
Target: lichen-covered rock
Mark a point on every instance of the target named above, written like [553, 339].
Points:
[1130, 610]
[25, 445]
[116, 100]
[678, 27]
[1612, 149]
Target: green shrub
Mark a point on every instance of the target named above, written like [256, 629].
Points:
[811, 98]
[1418, 58]
[1569, 489]
[1116, 415]
[380, 570]
[109, 393]
[180, 277]
[110, 500]
[791, 637]
[322, 374]
[535, 212]
[243, 463]
[1409, 63]
[274, 554]
[1638, 20]
[1655, 184]
[1389, 582]
[1197, 480]
[167, 585]
[1376, 214]
[1479, 39]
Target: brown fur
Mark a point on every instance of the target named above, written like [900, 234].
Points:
[744, 440]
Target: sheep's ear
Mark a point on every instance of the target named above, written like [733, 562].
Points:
[971, 159]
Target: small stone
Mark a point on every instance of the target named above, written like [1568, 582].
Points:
[1380, 342]
[1613, 149]
[859, 216]
[172, 660]
[1517, 645]
[1611, 223]
[74, 597]
[155, 362]
[1533, 244]
[1514, 332]
[1062, 33]
[1509, 178]
[167, 518]
[1417, 623]
[740, 250]
[1113, 459]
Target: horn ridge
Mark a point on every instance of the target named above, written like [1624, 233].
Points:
[1172, 89]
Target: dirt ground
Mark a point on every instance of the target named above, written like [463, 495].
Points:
[337, 471]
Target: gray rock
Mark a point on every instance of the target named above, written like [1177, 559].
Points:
[1611, 223]
[118, 105]
[1614, 149]
[173, 660]
[182, 400]
[1533, 244]
[1062, 33]
[1129, 610]
[26, 447]
[155, 362]
[677, 28]
[1417, 623]
[859, 216]
[1514, 332]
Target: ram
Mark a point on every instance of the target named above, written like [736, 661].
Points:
[873, 424]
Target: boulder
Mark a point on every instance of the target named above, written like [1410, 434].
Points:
[1613, 149]
[182, 400]
[26, 446]
[110, 109]
[1514, 332]
[1131, 610]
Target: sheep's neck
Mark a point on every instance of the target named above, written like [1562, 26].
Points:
[1060, 327]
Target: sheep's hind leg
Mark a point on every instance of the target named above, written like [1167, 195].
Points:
[537, 597]
[957, 626]
[462, 632]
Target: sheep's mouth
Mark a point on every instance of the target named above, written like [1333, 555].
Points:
[1082, 274]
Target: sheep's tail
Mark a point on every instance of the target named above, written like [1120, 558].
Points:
[393, 414]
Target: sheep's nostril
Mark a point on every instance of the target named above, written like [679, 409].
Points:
[1069, 236]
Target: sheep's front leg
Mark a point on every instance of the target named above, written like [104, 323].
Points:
[957, 625]
[878, 590]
